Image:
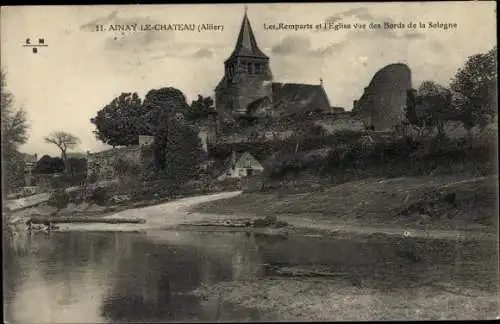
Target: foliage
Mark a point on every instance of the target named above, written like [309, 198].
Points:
[121, 121]
[164, 103]
[77, 166]
[100, 196]
[64, 141]
[14, 126]
[433, 106]
[177, 152]
[470, 99]
[400, 157]
[127, 116]
[14, 134]
[48, 164]
[127, 169]
[66, 180]
[477, 81]
[12, 170]
[59, 199]
[200, 108]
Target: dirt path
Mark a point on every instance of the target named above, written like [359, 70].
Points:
[165, 215]
[175, 213]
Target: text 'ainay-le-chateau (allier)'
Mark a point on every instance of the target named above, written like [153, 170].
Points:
[158, 27]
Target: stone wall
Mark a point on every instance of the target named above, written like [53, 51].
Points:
[101, 165]
[341, 123]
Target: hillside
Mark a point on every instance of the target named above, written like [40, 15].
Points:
[434, 202]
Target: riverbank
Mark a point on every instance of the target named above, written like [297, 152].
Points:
[320, 299]
[323, 212]
[414, 204]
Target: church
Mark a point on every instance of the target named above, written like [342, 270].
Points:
[247, 89]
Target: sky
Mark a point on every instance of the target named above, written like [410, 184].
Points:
[81, 70]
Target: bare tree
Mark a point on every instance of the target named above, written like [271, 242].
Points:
[63, 141]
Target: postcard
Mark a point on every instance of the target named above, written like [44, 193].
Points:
[250, 162]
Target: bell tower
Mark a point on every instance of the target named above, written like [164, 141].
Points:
[247, 75]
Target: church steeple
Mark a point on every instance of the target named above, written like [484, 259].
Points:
[246, 45]
[247, 75]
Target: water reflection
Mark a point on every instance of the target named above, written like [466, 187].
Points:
[148, 277]
[98, 277]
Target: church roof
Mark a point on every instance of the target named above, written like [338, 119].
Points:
[293, 97]
[246, 44]
[290, 98]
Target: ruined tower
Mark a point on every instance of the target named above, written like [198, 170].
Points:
[247, 75]
[384, 101]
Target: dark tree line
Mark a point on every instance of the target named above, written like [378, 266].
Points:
[14, 134]
[470, 98]
[176, 150]
[120, 122]
[51, 165]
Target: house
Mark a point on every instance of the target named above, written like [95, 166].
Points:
[239, 165]
[145, 140]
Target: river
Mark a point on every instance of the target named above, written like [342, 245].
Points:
[90, 277]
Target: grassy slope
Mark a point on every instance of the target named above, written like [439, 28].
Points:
[389, 201]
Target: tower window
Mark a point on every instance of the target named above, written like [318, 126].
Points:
[257, 68]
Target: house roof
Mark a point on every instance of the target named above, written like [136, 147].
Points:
[246, 45]
[227, 163]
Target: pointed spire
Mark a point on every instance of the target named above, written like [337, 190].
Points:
[246, 44]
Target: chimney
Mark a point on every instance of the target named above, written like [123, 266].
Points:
[321, 82]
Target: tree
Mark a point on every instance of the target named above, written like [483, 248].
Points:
[77, 165]
[126, 117]
[164, 103]
[127, 169]
[433, 106]
[14, 134]
[177, 152]
[13, 166]
[121, 121]
[63, 141]
[48, 165]
[477, 81]
[201, 108]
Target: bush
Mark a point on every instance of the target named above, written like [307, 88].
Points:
[389, 158]
[59, 199]
[100, 196]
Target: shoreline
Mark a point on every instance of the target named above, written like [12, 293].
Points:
[192, 213]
